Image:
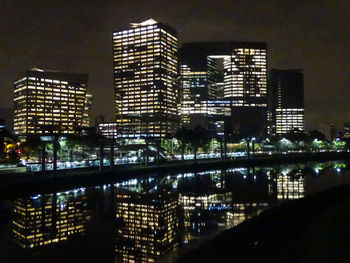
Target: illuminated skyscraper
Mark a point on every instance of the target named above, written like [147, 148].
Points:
[87, 110]
[194, 96]
[44, 219]
[286, 100]
[346, 131]
[108, 129]
[233, 89]
[49, 98]
[145, 70]
[147, 226]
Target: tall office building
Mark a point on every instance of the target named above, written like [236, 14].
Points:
[108, 130]
[145, 71]
[46, 98]
[346, 131]
[87, 110]
[286, 99]
[50, 218]
[234, 88]
[146, 226]
[194, 96]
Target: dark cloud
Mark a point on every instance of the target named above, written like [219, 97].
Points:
[77, 36]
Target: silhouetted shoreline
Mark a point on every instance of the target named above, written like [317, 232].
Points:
[312, 229]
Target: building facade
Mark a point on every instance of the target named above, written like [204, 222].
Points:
[108, 130]
[346, 131]
[233, 88]
[194, 96]
[87, 111]
[46, 98]
[145, 70]
[286, 101]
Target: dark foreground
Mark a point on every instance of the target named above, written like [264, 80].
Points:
[312, 229]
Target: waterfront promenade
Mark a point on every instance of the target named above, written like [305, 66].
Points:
[22, 183]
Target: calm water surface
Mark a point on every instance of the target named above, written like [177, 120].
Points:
[150, 219]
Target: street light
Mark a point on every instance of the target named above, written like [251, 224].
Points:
[253, 140]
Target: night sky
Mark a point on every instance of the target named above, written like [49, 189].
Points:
[76, 35]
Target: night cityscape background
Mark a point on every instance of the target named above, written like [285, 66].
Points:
[76, 37]
[174, 131]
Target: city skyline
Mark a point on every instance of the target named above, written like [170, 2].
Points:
[221, 86]
[232, 95]
[174, 131]
[324, 85]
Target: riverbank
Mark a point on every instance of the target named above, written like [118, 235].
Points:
[14, 184]
[312, 229]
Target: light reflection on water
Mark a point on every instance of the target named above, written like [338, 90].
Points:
[151, 217]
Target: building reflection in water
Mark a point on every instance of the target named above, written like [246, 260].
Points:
[290, 183]
[220, 199]
[194, 214]
[147, 224]
[49, 218]
[194, 196]
[251, 191]
[223, 199]
[154, 215]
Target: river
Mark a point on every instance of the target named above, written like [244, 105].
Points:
[151, 218]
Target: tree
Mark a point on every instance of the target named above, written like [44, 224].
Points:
[171, 145]
[80, 146]
[32, 147]
[296, 135]
[315, 134]
[229, 135]
[285, 144]
[13, 157]
[184, 135]
[212, 144]
[248, 133]
[199, 136]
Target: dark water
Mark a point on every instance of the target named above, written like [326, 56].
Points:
[150, 219]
